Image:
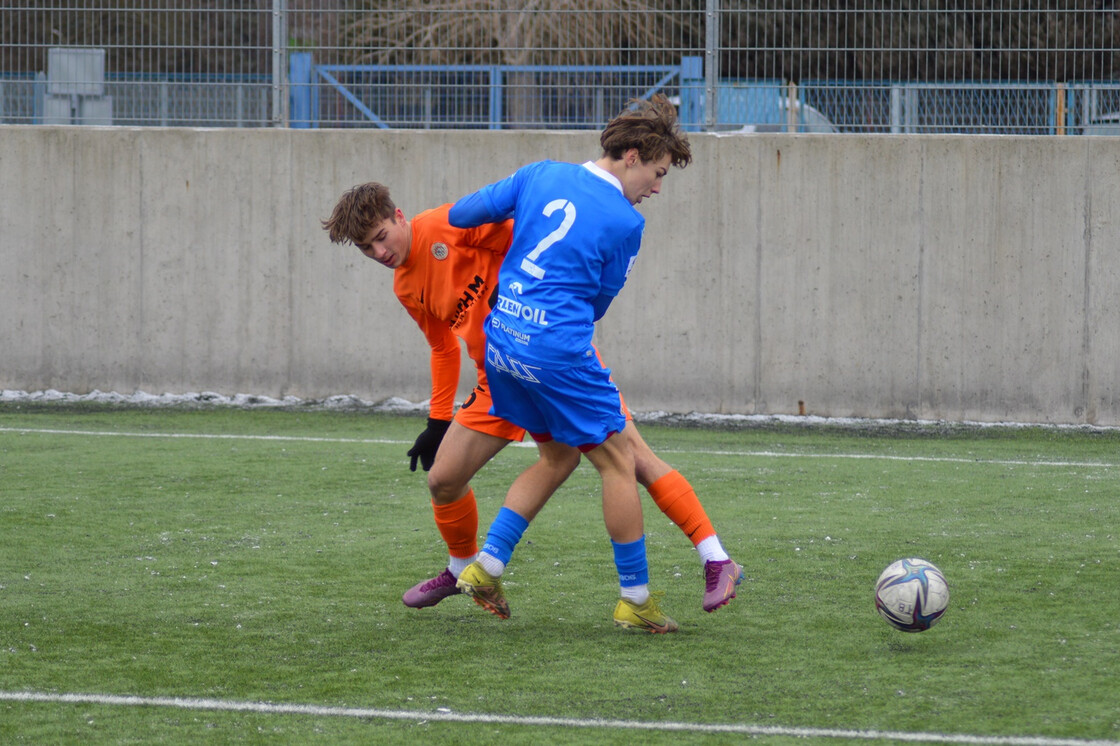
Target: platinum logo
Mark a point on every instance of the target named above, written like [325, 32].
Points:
[519, 337]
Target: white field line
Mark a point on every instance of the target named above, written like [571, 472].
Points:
[885, 457]
[747, 454]
[202, 436]
[446, 715]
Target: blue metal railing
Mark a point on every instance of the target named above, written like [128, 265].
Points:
[469, 96]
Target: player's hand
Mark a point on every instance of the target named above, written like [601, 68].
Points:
[427, 443]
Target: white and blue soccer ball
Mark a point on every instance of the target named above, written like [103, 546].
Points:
[911, 594]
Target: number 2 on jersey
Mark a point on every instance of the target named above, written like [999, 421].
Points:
[529, 263]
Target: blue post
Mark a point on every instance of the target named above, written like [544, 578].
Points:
[496, 97]
[303, 114]
[692, 93]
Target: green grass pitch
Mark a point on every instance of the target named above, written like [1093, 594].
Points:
[250, 563]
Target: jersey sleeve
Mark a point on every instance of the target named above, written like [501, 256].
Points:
[615, 271]
[599, 305]
[490, 204]
[444, 360]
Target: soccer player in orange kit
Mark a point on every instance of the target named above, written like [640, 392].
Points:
[444, 277]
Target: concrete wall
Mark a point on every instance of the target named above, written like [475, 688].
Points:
[959, 278]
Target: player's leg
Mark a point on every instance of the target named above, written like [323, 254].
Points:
[474, 437]
[676, 498]
[622, 510]
[585, 409]
[622, 514]
[528, 494]
[461, 454]
[534, 486]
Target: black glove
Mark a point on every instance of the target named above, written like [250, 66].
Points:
[427, 443]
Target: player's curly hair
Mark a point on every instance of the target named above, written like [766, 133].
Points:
[651, 127]
[357, 211]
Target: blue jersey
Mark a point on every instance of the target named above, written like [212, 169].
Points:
[575, 238]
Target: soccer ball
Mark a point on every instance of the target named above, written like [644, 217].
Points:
[911, 595]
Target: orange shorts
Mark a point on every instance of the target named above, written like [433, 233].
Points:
[475, 415]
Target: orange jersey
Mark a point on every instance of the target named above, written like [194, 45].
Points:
[445, 285]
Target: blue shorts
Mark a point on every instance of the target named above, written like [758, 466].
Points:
[578, 406]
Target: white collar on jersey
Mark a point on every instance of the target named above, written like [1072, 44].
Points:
[603, 174]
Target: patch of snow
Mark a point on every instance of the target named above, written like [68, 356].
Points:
[397, 405]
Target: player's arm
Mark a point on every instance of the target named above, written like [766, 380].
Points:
[490, 204]
[615, 271]
[475, 209]
[444, 362]
[600, 304]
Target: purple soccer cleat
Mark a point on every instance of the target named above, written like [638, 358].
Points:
[720, 581]
[432, 591]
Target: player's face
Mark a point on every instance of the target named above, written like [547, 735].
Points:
[388, 242]
[643, 178]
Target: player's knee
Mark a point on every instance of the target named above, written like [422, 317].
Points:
[569, 461]
[444, 488]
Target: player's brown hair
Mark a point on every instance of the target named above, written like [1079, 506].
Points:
[651, 127]
[357, 211]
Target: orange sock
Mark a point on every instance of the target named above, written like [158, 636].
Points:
[676, 498]
[458, 525]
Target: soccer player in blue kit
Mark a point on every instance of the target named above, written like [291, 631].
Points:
[576, 236]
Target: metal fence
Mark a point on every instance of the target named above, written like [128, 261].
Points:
[821, 66]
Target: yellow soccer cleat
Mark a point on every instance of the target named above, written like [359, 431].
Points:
[485, 589]
[647, 617]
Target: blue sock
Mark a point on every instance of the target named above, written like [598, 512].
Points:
[630, 560]
[505, 532]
